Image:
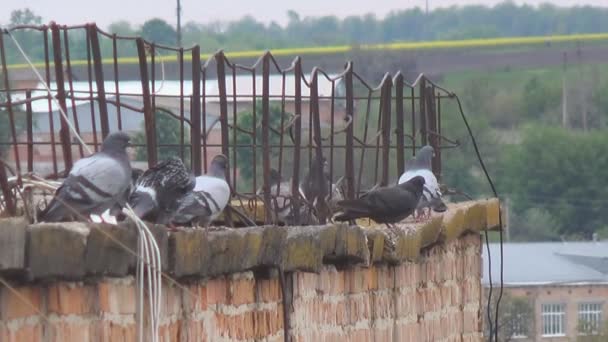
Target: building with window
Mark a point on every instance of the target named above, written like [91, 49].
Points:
[560, 289]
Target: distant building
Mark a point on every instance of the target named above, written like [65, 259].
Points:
[566, 284]
[168, 96]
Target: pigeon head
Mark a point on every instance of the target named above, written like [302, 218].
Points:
[275, 177]
[117, 141]
[424, 156]
[418, 181]
[219, 165]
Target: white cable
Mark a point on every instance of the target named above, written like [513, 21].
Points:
[162, 74]
[150, 252]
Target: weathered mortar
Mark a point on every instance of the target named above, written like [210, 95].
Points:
[387, 286]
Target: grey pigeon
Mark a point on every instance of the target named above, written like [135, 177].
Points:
[116, 210]
[384, 205]
[421, 166]
[208, 198]
[95, 183]
[281, 200]
[159, 189]
[311, 183]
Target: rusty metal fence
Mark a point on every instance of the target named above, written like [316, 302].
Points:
[261, 116]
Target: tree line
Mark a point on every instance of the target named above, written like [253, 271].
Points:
[462, 22]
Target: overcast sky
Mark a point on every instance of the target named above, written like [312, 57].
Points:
[105, 12]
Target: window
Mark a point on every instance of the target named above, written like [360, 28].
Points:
[554, 319]
[589, 317]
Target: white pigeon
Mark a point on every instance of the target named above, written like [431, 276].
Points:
[421, 166]
[95, 183]
[209, 197]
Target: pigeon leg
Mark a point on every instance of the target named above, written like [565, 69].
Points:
[171, 227]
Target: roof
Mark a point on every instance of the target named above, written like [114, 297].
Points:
[130, 120]
[243, 84]
[542, 263]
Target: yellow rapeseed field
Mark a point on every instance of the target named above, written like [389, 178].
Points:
[427, 45]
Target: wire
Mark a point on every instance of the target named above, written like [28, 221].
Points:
[150, 250]
[493, 328]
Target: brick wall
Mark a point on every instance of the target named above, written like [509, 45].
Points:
[434, 299]
[342, 283]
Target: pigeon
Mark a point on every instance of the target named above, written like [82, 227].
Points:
[311, 185]
[384, 205]
[421, 166]
[95, 183]
[209, 197]
[159, 189]
[115, 213]
[282, 201]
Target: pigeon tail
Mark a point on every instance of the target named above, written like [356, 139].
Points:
[438, 205]
[352, 209]
[54, 212]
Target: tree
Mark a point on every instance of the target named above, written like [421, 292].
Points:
[590, 333]
[534, 224]
[24, 17]
[561, 172]
[122, 28]
[30, 40]
[159, 31]
[515, 317]
[246, 123]
[5, 127]
[167, 133]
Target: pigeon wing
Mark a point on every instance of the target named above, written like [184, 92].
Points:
[94, 185]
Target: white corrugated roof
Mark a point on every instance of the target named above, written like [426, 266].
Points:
[244, 86]
[537, 263]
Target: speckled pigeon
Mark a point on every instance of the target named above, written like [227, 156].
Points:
[95, 183]
[384, 205]
[209, 197]
[421, 166]
[159, 189]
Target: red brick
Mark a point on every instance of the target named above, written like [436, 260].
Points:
[382, 334]
[471, 321]
[3, 332]
[117, 297]
[385, 277]
[268, 290]
[305, 283]
[111, 332]
[194, 331]
[171, 300]
[382, 304]
[66, 299]
[64, 331]
[25, 303]
[242, 291]
[195, 298]
[357, 280]
[358, 309]
[330, 281]
[409, 332]
[169, 333]
[217, 291]
[26, 333]
[267, 322]
[360, 335]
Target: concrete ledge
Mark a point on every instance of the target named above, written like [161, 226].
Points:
[79, 250]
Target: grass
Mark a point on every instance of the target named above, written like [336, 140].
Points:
[516, 77]
[492, 44]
